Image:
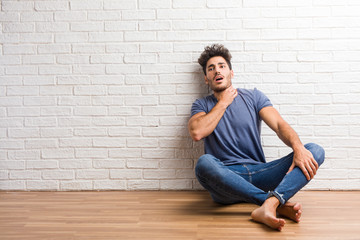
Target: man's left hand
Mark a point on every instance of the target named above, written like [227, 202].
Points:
[304, 160]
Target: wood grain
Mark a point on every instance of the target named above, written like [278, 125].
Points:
[184, 215]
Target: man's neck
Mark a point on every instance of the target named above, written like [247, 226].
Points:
[218, 93]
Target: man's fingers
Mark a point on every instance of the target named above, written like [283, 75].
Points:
[291, 167]
[314, 167]
[315, 163]
[306, 172]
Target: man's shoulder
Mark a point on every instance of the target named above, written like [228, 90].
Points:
[206, 99]
[248, 92]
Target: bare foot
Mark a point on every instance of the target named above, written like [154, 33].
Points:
[267, 214]
[291, 211]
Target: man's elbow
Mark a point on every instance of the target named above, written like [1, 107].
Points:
[195, 136]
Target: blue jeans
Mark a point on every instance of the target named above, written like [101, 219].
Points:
[253, 183]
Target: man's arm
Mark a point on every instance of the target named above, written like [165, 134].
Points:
[202, 125]
[302, 157]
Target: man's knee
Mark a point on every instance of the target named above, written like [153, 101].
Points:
[317, 151]
[203, 163]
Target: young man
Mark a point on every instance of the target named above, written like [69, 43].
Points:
[233, 168]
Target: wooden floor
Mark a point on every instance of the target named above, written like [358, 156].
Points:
[149, 215]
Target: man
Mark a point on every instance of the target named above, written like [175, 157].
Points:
[233, 168]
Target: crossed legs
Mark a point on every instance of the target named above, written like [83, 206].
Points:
[265, 184]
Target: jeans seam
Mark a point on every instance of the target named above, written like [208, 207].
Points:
[249, 173]
[231, 194]
[265, 169]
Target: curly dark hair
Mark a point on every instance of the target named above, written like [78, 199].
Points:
[214, 50]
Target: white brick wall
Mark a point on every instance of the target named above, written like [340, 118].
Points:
[95, 95]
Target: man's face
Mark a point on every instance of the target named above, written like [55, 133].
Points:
[218, 74]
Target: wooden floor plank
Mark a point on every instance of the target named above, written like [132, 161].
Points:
[184, 215]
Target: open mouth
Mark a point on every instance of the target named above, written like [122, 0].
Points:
[219, 78]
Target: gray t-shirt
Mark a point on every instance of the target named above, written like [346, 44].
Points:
[236, 138]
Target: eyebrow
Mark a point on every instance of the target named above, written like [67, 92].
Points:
[220, 63]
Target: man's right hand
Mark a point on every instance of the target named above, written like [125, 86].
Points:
[202, 124]
[227, 96]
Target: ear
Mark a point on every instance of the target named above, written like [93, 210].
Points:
[206, 80]
[232, 73]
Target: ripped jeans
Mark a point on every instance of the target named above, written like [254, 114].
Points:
[253, 183]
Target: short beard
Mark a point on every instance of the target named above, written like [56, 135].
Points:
[218, 90]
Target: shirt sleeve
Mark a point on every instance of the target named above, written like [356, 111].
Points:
[261, 100]
[197, 107]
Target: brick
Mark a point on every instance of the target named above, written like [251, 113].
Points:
[104, 15]
[24, 133]
[88, 48]
[157, 68]
[141, 142]
[91, 153]
[124, 111]
[109, 185]
[155, 25]
[189, 4]
[156, 4]
[122, 69]
[54, 49]
[57, 154]
[174, 13]
[143, 164]
[92, 174]
[71, 37]
[86, 5]
[125, 153]
[278, 12]
[38, 185]
[10, 101]
[121, 26]
[39, 59]
[107, 100]
[90, 132]
[143, 184]
[140, 36]
[21, 70]
[23, 112]
[124, 132]
[158, 90]
[109, 164]
[75, 164]
[40, 122]
[90, 111]
[52, 27]
[76, 185]
[120, 4]
[126, 174]
[175, 184]
[313, 12]
[158, 174]
[121, 48]
[140, 121]
[189, 25]
[224, 4]
[12, 185]
[138, 14]
[56, 69]
[159, 111]
[25, 175]
[17, 6]
[73, 16]
[24, 155]
[140, 58]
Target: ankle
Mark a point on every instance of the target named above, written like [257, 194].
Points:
[272, 201]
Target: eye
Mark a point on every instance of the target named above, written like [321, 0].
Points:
[210, 68]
